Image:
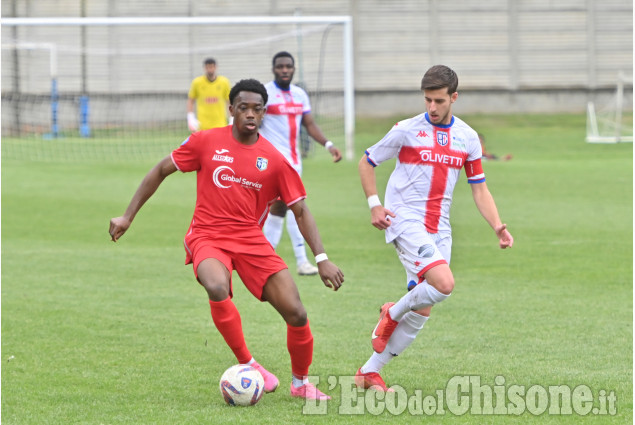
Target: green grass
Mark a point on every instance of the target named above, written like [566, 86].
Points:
[101, 333]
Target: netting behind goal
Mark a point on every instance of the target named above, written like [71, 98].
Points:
[118, 90]
[611, 121]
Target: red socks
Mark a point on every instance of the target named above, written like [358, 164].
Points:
[299, 339]
[300, 346]
[227, 320]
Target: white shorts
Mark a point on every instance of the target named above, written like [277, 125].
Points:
[419, 251]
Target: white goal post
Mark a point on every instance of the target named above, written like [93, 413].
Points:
[607, 124]
[117, 47]
[51, 48]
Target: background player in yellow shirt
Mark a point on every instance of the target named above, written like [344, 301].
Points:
[210, 92]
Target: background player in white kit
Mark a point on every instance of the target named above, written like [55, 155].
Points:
[288, 109]
[431, 149]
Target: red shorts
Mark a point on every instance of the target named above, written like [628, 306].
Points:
[250, 254]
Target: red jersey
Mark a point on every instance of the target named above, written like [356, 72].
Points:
[236, 183]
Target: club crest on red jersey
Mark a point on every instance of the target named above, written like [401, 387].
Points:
[442, 138]
[261, 163]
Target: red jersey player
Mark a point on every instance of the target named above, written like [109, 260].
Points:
[239, 175]
[431, 149]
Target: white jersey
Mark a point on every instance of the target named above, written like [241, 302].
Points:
[281, 124]
[429, 159]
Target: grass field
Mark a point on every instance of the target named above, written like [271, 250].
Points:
[101, 333]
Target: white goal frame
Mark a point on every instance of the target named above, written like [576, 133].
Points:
[51, 48]
[593, 130]
[345, 21]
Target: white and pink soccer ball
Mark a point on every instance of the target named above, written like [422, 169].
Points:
[242, 385]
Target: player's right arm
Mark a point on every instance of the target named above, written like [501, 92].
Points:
[316, 133]
[146, 189]
[379, 216]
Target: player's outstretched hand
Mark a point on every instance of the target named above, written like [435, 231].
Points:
[118, 227]
[380, 217]
[330, 274]
[335, 153]
[505, 239]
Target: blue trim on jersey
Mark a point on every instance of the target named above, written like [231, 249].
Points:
[186, 140]
[440, 125]
[369, 160]
[477, 181]
[281, 88]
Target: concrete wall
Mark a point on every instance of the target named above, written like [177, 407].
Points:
[511, 55]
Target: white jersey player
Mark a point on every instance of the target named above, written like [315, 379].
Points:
[289, 108]
[431, 149]
[285, 111]
[429, 160]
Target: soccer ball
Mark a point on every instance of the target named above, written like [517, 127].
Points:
[242, 385]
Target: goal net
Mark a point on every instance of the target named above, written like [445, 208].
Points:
[612, 120]
[116, 88]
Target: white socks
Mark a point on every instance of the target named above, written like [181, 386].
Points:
[297, 382]
[405, 333]
[273, 229]
[423, 295]
[297, 240]
[410, 323]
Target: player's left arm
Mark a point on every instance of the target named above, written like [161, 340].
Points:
[315, 132]
[487, 207]
[331, 275]
[192, 121]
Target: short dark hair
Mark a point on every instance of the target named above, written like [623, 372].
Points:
[250, 85]
[282, 54]
[439, 77]
[209, 61]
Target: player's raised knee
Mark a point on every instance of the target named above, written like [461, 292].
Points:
[216, 292]
[296, 316]
[445, 285]
[441, 279]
